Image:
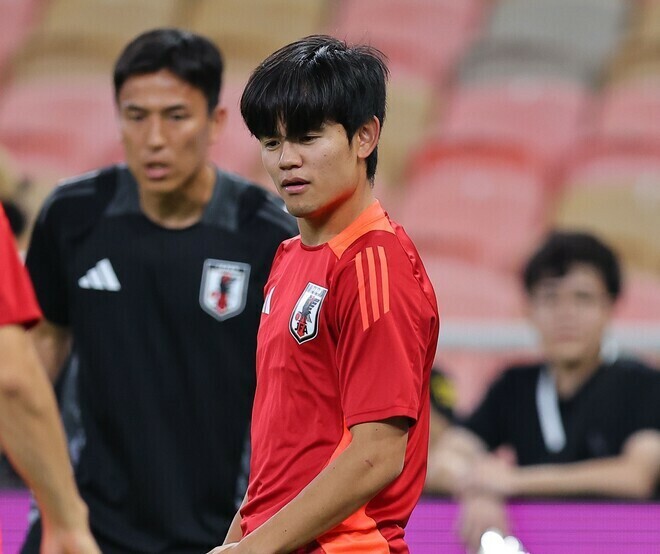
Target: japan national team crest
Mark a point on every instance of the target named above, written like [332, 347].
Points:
[304, 323]
[224, 288]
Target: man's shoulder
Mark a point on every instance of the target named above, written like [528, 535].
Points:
[520, 375]
[627, 372]
[80, 198]
[247, 203]
[632, 366]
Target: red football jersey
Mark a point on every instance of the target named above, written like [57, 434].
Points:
[18, 304]
[348, 335]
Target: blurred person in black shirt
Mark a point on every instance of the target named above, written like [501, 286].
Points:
[578, 425]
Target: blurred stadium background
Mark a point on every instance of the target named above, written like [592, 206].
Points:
[506, 118]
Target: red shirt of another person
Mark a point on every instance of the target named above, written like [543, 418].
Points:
[18, 304]
[348, 335]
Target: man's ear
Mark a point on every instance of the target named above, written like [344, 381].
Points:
[367, 137]
[218, 119]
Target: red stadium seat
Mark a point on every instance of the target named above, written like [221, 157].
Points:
[236, 150]
[481, 204]
[641, 298]
[612, 161]
[86, 36]
[64, 126]
[468, 291]
[613, 190]
[425, 35]
[631, 110]
[247, 32]
[542, 116]
[16, 20]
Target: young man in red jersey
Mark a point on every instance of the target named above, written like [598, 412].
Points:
[30, 430]
[349, 326]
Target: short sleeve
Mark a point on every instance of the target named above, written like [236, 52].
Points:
[385, 323]
[18, 304]
[45, 264]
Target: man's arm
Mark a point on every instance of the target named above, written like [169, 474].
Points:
[53, 345]
[450, 458]
[235, 533]
[372, 460]
[33, 438]
[632, 474]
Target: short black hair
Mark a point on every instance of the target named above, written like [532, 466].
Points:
[191, 57]
[562, 250]
[315, 80]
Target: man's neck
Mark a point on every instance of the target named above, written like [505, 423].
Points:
[321, 229]
[569, 377]
[183, 207]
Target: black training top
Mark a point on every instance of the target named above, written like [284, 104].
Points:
[522, 410]
[164, 325]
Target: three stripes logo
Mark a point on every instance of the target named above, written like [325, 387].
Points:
[100, 277]
[373, 284]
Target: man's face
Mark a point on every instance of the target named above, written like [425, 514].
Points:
[315, 173]
[570, 314]
[166, 130]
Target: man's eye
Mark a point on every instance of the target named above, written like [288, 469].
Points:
[307, 138]
[178, 116]
[547, 297]
[270, 143]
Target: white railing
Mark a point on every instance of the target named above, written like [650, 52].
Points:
[516, 335]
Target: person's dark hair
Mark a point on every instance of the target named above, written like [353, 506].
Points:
[315, 80]
[561, 251]
[192, 58]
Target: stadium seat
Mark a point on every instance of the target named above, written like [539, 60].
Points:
[249, 31]
[427, 36]
[410, 102]
[62, 126]
[646, 24]
[635, 61]
[86, 36]
[9, 178]
[236, 150]
[494, 60]
[16, 20]
[484, 204]
[640, 300]
[614, 192]
[466, 290]
[562, 24]
[541, 116]
[631, 111]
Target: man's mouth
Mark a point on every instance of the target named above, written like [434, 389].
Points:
[156, 171]
[293, 186]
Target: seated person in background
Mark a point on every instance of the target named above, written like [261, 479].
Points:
[579, 425]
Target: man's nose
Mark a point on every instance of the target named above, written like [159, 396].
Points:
[155, 136]
[289, 156]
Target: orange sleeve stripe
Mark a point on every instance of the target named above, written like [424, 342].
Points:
[386, 279]
[373, 284]
[361, 291]
[377, 278]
